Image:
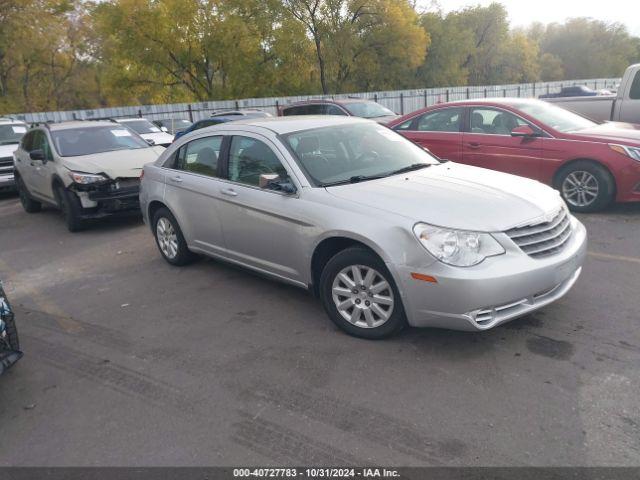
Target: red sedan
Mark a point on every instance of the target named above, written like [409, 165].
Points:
[591, 164]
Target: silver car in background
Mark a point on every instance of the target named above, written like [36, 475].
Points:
[384, 233]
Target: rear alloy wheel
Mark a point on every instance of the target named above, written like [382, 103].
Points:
[586, 187]
[170, 240]
[360, 295]
[29, 205]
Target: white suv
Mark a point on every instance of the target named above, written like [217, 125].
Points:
[89, 169]
[11, 131]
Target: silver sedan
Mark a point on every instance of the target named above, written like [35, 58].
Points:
[380, 230]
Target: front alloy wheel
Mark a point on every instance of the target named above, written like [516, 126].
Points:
[586, 186]
[359, 294]
[580, 189]
[362, 296]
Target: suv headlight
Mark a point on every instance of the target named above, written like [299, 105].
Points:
[457, 247]
[632, 152]
[87, 178]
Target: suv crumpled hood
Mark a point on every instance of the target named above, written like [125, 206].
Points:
[117, 164]
[456, 196]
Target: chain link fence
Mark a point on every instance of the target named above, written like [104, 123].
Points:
[400, 101]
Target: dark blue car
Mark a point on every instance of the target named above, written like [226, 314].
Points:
[572, 91]
[222, 117]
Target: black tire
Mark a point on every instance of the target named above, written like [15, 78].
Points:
[597, 176]
[71, 208]
[29, 204]
[12, 334]
[361, 257]
[183, 255]
[10, 325]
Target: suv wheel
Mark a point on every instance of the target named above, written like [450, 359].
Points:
[586, 186]
[169, 238]
[71, 208]
[360, 296]
[29, 205]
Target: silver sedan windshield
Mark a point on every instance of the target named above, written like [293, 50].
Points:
[353, 153]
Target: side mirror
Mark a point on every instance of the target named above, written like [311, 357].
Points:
[37, 155]
[151, 142]
[524, 131]
[272, 181]
[164, 129]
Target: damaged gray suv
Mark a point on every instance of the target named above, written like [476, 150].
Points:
[384, 233]
[88, 169]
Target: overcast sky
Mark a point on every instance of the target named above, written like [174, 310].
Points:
[523, 12]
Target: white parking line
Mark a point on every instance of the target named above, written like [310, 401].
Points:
[607, 256]
[9, 205]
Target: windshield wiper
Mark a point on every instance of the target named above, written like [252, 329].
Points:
[362, 178]
[410, 168]
[354, 179]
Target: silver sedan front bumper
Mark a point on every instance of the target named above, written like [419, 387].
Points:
[498, 290]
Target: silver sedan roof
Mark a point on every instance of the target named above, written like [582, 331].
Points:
[283, 125]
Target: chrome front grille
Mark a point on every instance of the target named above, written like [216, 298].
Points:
[6, 165]
[543, 239]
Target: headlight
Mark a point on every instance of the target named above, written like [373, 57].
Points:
[456, 247]
[86, 178]
[632, 152]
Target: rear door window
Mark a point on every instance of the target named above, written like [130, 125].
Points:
[200, 156]
[443, 120]
[494, 122]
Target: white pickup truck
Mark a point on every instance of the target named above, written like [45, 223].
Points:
[621, 107]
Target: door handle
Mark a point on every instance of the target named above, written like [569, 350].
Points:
[176, 179]
[229, 191]
[473, 145]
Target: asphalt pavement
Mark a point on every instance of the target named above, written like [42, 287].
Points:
[129, 361]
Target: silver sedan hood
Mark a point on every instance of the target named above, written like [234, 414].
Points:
[456, 196]
[116, 164]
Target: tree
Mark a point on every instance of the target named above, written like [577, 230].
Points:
[361, 43]
[173, 50]
[42, 53]
[447, 53]
[608, 46]
[518, 60]
[489, 27]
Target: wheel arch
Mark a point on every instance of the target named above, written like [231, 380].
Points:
[56, 180]
[566, 165]
[329, 246]
[156, 205]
